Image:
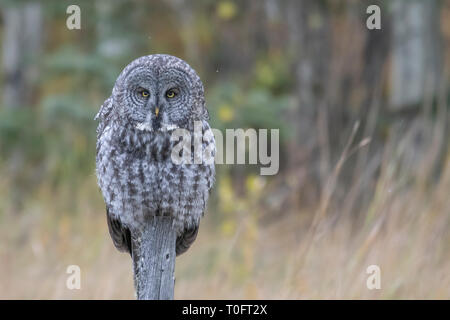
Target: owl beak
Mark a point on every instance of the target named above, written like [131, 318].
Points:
[156, 111]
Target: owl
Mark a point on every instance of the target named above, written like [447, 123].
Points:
[152, 97]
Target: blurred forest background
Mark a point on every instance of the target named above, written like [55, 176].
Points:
[365, 164]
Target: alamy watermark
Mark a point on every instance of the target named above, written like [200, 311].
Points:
[74, 20]
[374, 280]
[374, 20]
[73, 281]
[211, 146]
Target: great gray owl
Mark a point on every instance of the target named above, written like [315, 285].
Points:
[153, 96]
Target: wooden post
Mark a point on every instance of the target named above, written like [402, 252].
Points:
[153, 251]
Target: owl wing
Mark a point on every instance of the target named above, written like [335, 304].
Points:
[103, 114]
[104, 110]
[120, 235]
[185, 240]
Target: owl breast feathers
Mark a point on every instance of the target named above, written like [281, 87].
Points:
[152, 97]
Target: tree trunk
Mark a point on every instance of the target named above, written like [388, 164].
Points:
[309, 37]
[21, 49]
[415, 52]
[153, 251]
[185, 12]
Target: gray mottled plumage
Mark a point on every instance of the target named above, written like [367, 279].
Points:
[135, 172]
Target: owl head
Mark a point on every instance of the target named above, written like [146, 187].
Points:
[159, 92]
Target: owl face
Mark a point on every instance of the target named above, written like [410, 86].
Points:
[158, 92]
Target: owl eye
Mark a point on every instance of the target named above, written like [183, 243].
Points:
[171, 93]
[143, 92]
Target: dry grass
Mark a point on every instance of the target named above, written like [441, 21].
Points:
[405, 230]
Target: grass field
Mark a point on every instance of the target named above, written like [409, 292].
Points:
[305, 253]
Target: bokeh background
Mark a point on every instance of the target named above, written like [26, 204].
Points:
[365, 165]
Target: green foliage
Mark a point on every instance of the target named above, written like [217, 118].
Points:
[18, 130]
[231, 106]
[89, 71]
[58, 138]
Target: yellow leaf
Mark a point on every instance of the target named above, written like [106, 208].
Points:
[226, 10]
[226, 195]
[265, 74]
[226, 114]
[228, 227]
[254, 183]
